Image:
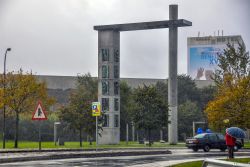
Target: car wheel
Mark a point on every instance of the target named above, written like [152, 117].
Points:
[206, 148]
[236, 148]
[195, 149]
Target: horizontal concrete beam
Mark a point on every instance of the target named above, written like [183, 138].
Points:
[144, 25]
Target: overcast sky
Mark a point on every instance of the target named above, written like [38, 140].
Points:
[56, 37]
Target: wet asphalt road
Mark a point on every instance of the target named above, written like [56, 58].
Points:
[151, 160]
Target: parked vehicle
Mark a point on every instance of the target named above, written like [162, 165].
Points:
[207, 141]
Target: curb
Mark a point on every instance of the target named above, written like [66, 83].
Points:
[79, 149]
[44, 150]
[84, 155]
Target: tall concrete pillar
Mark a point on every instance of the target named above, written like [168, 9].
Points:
[109, 84]
[172, 80]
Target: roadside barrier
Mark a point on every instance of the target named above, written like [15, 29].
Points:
[222, 163]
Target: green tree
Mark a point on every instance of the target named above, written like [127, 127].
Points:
[207, 94]
[233, 61]
[127, 106]
[187, 89]
[79, 113]
[152, 111]
[162, 89]
[21, 95]
[187, 113]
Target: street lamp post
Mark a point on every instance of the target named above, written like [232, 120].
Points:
[4, 86]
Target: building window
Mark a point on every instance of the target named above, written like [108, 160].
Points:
[105, 104]
[116, 56]
[105, 54]
[116, 104]
[105, 87]
[116, 121]
[105, 71]
[116, 88]
[116, 71]
[105, 120]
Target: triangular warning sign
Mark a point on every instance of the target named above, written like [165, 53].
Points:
[39, 113]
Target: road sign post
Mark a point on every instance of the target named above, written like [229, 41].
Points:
[40, 145]
[96, 111]
[96, 129]
[39, 114]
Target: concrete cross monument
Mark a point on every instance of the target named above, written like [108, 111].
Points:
[109, 73]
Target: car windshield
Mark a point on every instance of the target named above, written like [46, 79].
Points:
[199, 136]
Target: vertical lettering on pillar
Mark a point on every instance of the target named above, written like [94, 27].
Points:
[116, 104]
[105, 104]
[105, 71]
[105, 54]
[105, 87]
[116, 71]
[116, 88]
[116, 56]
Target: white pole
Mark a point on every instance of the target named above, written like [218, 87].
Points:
[127, 133]
[161, 135]
[55, 135]
[133, 131]
[55, 132]
[39, 135]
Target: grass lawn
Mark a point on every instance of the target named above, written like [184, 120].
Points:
[247, 145]
[75, 144]
[34, 145]
[189, 164]
[199, 163]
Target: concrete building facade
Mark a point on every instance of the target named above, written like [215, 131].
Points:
[69, 82]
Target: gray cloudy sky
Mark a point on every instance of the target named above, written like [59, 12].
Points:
[56, 37]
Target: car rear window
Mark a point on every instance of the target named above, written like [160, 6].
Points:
[199, 136]
[213, 137]
[221, 137]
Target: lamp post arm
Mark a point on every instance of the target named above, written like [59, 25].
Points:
[4, 87]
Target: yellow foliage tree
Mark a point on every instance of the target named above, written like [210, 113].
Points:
[231, 103]
[21, 95]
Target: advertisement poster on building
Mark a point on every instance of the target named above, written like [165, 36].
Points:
[203, 61]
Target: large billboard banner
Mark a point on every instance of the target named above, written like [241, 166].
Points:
[203, 60]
